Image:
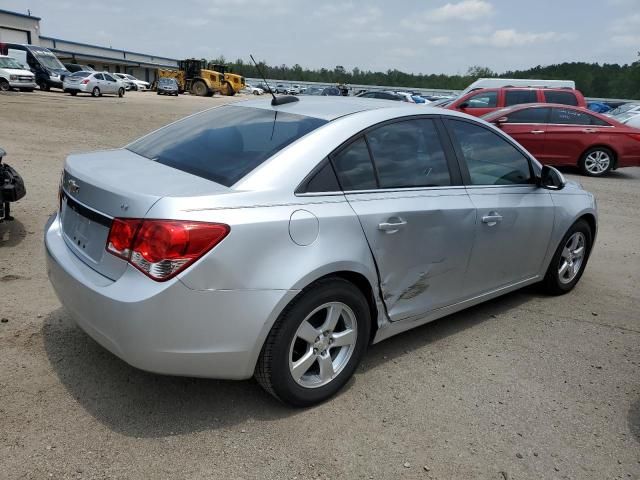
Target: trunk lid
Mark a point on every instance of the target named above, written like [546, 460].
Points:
[96, 187]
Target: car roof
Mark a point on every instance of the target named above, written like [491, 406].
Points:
[327, 108]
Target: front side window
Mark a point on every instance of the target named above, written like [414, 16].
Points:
[529, 115]
[409, 154]
[483, 100]
[518, 97]
[354, 168]
[564, 98]
[491, 160]
[567, 116]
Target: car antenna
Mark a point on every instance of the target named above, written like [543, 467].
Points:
[276, 100]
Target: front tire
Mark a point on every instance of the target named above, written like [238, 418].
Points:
[570, 260]
[596, 162]
[316, 344]
[121, 92]
[200, 89]
[4, 85]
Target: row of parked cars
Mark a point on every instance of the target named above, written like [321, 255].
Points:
[549, 118]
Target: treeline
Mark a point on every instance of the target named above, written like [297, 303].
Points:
[593, 79]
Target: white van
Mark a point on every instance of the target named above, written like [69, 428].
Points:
[518, 82]
[13, 75]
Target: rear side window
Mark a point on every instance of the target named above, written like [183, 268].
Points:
[98, 76]
[483, 100]
[564, 98]
[529, 115]
[409, 154]
[226, 143]
[518, 97]
[567, 116]
[491, 160]
[354, 168]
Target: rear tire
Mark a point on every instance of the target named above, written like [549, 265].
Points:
[568, 262]
[73, 94]
[303, 372]
[596, 162]
[95, 92]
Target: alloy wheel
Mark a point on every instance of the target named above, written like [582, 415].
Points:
[572, 257]
[323, 345]
[597, 162]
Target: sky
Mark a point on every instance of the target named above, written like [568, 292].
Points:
[428, 36]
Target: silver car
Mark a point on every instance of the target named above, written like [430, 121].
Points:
[280, 241]
[94, 83]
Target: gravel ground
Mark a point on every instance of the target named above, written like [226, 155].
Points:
[522, 387]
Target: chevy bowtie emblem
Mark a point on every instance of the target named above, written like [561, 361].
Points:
[73, 186]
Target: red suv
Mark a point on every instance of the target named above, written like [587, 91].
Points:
[486, 100]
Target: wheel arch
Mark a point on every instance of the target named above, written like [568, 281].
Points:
[353, 274]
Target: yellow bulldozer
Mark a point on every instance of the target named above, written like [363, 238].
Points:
[202, 79]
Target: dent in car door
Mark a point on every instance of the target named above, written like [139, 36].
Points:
[420, 237]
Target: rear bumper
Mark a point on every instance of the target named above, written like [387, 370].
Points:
[164, 327]
[78, 87]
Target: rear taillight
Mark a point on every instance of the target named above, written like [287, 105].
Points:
[85, 81]
[163, 248]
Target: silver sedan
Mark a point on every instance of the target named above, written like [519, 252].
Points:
[94, 83]
[281, 240]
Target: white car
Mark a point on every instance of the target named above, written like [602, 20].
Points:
[625, 112]
[253, 90]
[294, 90]
[13, 75]
[128, 83]
[634, 121]
[140, 85]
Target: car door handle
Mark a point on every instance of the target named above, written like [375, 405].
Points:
[392, 227]
[588, 130]
[537, 132]
[492, 218]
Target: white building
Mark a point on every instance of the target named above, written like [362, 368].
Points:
[25, 28]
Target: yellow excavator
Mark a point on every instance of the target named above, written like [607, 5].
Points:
[202, 79]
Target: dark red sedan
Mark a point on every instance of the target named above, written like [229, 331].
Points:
[564, 135]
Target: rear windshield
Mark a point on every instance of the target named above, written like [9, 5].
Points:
[226, 143]
[81, 74]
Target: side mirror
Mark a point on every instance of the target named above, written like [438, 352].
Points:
[502, 120]
[463, 105]
[551, 179]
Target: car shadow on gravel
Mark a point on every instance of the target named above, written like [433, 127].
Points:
[634, 419]
[141, 404]
[406, 342]
[11, 233]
